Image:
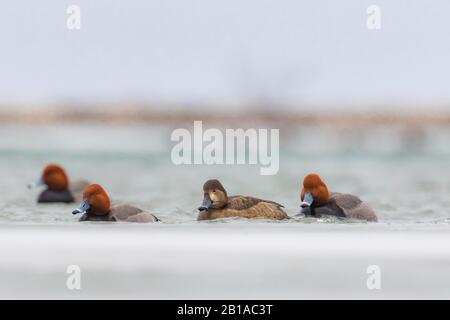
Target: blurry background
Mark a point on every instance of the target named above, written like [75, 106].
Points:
[265, 54]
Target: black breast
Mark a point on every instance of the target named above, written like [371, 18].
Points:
[330, 209]
[92, 217]
[49, 196]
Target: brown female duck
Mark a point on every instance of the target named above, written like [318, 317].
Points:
[55, 178]
[317, 201]
[217, 204]
[96, 206]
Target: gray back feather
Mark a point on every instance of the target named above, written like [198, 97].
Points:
[353, 207]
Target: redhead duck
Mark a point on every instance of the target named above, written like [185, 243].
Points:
[316, 201]
[217, 204]
[96, 206]
[58, 187]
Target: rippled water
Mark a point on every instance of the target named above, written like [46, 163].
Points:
[402, 183]
[406, 180]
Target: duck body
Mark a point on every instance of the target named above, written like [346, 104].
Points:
[316, 201]
[121, 212]
[343, 205]
[58, 186]
[96, 206]
[51, 196]
[217, 204]
[72, 194]
[245, 207]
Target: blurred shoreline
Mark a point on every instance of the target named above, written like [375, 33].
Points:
[220, 115]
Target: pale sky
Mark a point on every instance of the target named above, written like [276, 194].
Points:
[227, 51]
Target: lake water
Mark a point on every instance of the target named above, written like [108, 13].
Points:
[405, 177]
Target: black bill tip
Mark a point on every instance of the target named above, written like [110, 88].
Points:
[305, 205]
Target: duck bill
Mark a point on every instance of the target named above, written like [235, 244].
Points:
[206, 204]
[308, 200]
[83, 208]
[39, 182]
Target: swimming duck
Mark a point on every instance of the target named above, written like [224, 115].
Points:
[96, 206]
[58, 187]
[316, 201]
[217, 204]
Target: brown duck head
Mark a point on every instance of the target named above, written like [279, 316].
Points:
[214, 195]
[54, 177]
[314, 191]
[95, 201]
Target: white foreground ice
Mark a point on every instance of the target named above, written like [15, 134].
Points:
[225, 261]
